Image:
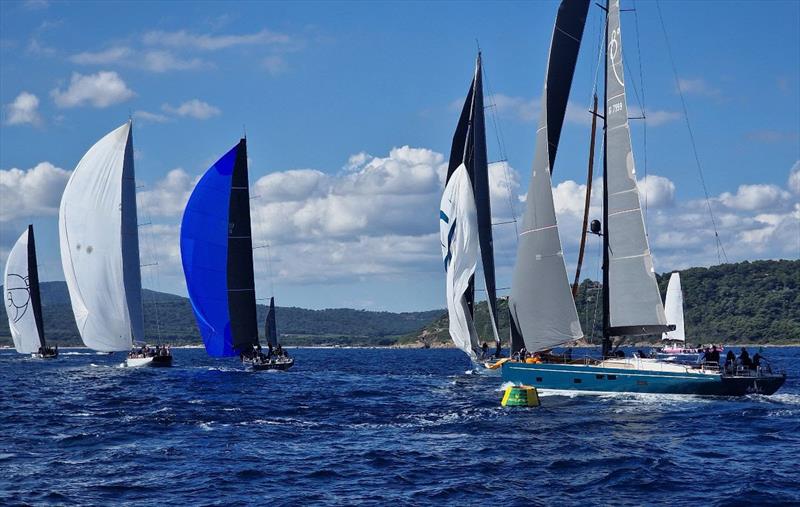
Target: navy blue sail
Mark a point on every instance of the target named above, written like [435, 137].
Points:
[217, 256]
[270, 327]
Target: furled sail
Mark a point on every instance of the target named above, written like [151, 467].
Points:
[634, 300]
[270, 327]
[673, 308]
[469, 149]
[217, 256]
[457, 231]
[22, 298]
[99, 239]
[542, 309]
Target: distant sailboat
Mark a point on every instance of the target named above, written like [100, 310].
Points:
[23, 299]
[465, 224]
[217, 257]
[542, 310]
[675, 348]
[98, 230]
[277, 360]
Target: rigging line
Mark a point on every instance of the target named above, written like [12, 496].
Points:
[501, 146]
[154, 278]
[643, 105]
[720, 247]
[600, 53]
[598, 294]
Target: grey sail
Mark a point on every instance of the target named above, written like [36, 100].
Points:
[270, 327]
[542, 309]
[634, 301]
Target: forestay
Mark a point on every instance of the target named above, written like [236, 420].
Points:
[20, 285]
[458, 234]
[634, 300]
[673, 307]
[98, 233]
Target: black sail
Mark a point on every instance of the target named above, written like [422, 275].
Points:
[241, 281]
[33, 282]
[270, 328]
[564, 48]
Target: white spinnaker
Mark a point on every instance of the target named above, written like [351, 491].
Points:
[17, 295]
[458, 231]
[92, 232]
[673, 308]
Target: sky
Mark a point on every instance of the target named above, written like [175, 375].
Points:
[349, 109]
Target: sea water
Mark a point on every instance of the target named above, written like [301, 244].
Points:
[376, 426]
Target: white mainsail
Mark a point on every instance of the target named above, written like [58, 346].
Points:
[673, 307]
[458, 226]
[19, 304]
[99, 244]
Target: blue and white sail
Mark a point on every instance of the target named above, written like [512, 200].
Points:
[217, 256]
[99, 238]
[21, 293]
[458, 225]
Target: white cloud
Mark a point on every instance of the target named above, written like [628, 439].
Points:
[163, 61]
[185, 39]
[697, 86]
[194, 108]
[755, 197]
[656, 191]
[149, 117]
[516, 107]
[168, 196]
[98, 90]
[659, 117]
[31, 192]
[24, 109]
[794, 178]
[32, 5]
[274, 64]
[111, 55]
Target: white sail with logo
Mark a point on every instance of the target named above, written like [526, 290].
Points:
[19, 299]
[100, 247]
[673, 308]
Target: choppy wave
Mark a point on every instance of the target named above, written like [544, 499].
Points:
[351, 426]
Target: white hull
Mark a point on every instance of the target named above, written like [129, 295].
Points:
[137, 362]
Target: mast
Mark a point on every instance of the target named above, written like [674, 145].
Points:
[240, 276]
[606, 347]
[588, 201]
[33, 283]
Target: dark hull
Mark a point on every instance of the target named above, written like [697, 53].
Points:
[161, 362]
[625, 380]
[46, 356]
[280, 366]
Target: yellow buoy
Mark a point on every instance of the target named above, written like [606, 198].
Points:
[520, 396]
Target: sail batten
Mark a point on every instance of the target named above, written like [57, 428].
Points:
[541, 305]
[100, 265]
[634, 302]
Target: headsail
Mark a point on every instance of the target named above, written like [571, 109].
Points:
[270, 327]
[98, 233]
[22, 299]
[542, 309]
[469, 149]
[673, 308]
[634, 301]
[457, 230]
[217, 256]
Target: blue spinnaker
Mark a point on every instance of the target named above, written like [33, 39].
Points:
[204, 253]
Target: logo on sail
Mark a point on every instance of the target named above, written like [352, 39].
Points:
[18, 296]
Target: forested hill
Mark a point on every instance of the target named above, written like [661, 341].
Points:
[170, 317]
[748, 302]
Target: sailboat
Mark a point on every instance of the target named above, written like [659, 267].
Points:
[277, 359]
[543, 314]
[465, 225]
[23, 299]
[675, 349]
[99, 239]
[217, 257]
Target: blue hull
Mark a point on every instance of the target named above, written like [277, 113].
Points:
[580, 377]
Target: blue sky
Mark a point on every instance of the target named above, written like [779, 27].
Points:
[331, 93]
